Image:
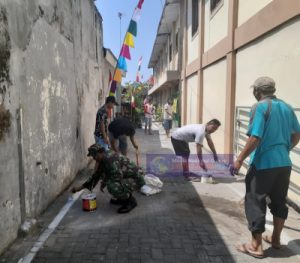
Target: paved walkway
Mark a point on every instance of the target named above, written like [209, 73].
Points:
[186, 222]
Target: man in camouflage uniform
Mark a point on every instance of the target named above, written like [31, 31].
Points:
[118, 174]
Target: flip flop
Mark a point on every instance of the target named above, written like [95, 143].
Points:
[244, 248]
[268, 239]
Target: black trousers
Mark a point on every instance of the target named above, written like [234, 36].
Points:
[260, 184]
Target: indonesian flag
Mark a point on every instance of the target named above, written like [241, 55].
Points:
[139, 69]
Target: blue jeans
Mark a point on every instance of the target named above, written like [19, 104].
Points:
[100, 141]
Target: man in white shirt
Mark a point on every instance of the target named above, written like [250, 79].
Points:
[194, 133]
[168, 116]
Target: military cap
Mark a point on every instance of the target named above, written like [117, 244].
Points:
[94, 149]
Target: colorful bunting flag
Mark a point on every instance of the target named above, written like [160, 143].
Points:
[113, 86]
[121, 68]
[129, 40]
[125, 52]
[122, 63]
[118, 75]
[137, 14]
[133, 28]
[140, 4]
[139, 69]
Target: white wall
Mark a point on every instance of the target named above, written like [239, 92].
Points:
[276, 55]
[192, 99]
[246, 9]
[192, 41]
[216, 26]
[214, 94]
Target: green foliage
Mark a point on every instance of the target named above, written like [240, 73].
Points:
[159, 113]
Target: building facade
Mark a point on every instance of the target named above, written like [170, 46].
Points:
[166, 57]
[226, 45]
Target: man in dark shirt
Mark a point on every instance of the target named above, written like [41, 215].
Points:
[120, 128]
[100, 133]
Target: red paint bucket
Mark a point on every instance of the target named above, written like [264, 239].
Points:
[89, 202]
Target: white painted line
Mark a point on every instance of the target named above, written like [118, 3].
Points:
[293, 246]
[45, 235]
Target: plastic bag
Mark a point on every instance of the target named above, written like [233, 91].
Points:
[150, 190]
[152, 180]
[153, 185]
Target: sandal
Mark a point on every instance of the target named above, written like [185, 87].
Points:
[268, 240]
[248, 250]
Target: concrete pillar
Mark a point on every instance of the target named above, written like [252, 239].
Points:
[231, 79]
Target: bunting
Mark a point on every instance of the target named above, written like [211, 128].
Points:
[129, 41]
[138, 79]
[121, 68]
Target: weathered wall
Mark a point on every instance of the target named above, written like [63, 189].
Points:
[51, 69]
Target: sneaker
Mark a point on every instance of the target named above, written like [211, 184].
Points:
[129, 204]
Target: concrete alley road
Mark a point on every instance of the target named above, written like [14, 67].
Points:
[186, 222]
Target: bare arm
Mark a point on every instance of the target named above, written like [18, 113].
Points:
[134, 144]
[103, 132]
[250, 146]
[212, 147]
[295, 139]
[199, 154]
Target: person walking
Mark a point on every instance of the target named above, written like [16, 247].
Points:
[168, 117]
[194, 133]
[273, 131]
[100, 132]
[116, 172]
[119, 129]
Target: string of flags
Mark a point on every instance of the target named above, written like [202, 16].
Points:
[138, 77]
[128, 43]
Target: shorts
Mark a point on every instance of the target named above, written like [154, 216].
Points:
[148, 121]
[100, 141]
[122, 141]
[167, 124]
[181, 148]
[270, 183]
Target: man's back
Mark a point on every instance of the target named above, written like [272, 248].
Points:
[121, 126]
[190, 133]
[273, 122]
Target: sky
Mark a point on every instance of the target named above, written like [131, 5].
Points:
[147, 29]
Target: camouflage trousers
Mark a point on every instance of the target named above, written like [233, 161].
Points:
[123, 188]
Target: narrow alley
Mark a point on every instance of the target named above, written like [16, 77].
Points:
[186, 222]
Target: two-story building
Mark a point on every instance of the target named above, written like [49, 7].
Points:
[226, 45]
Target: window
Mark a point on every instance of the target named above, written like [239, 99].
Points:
[215, 5]
[195, 14]
[170, 53]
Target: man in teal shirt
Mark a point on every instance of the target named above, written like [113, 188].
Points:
[273, 131]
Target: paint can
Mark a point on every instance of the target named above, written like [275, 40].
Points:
[89, 203]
